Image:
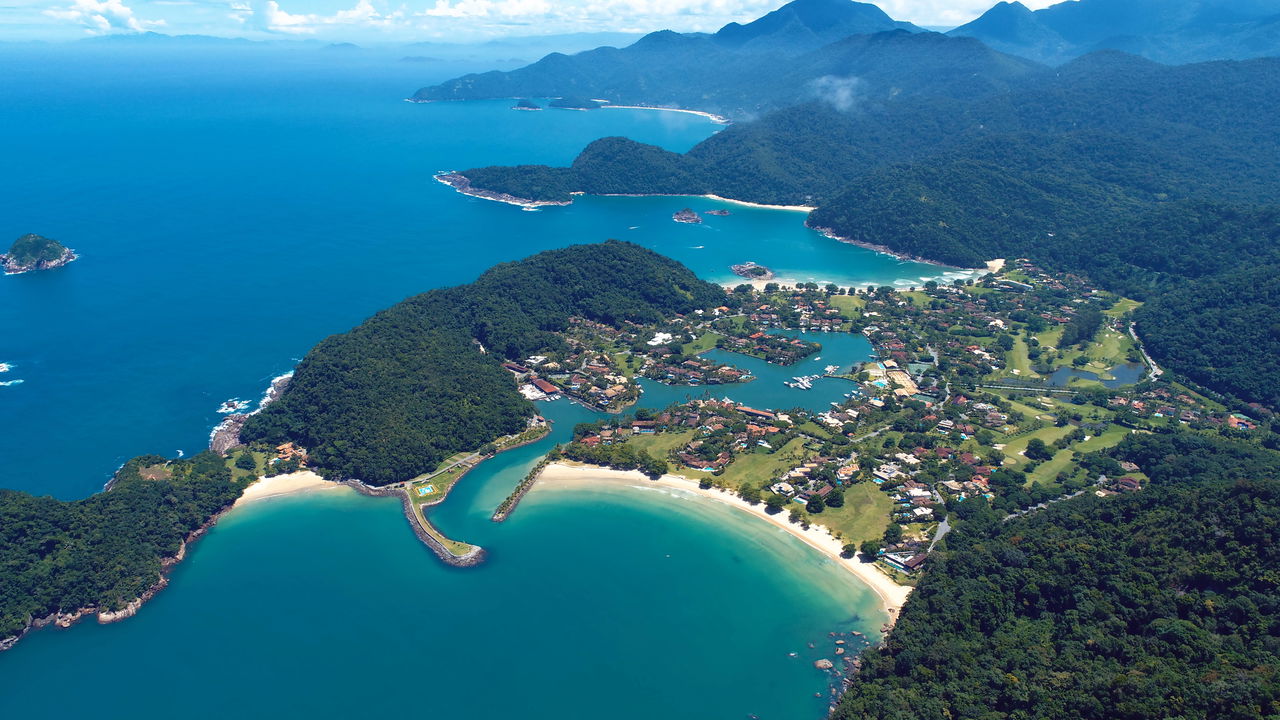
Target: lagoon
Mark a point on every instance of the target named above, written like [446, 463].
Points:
[229, 217]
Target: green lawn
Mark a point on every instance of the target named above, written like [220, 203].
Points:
[864, 516]
[850, 305]
[702, 344]
[1018, 359]
[1049, 435]
[661, 444]
[1108, 439]
[1122, 306]
[1050, 337]
[918, 298]
[442, 483]
[1047, 472]
[759, 467]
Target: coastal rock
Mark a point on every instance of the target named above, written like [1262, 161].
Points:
[687, 216]
[752, 271]
[823, 664]
[462, 184]
[35, 252]
[720, 213]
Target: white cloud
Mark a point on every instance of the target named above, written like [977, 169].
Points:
[268, 16]
[102, 16]
[842, 93]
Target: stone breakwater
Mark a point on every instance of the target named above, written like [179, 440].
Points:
[508, 506]
[471, 559]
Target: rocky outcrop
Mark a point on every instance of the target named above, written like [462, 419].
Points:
[13, 267]
[106, 615]
[687, 216]
[462, 184]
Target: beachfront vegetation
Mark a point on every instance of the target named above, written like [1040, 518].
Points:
[423, 379]
[1157, 190]
[108, 549]
[1153, 604]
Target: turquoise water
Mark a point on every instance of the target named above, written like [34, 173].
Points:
[229, 215]
[228, 218]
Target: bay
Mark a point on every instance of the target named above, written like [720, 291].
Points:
[232, 212]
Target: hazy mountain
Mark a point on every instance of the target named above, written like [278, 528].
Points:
[703, 73]
[808, 24]
[740, 70]
[1171, 31]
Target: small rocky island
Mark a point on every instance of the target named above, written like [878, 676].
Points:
[752, 271]
[687, 216]
[721, 213]
[35, 252]
[526, 105]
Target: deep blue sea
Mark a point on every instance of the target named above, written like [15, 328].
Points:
[231, 211]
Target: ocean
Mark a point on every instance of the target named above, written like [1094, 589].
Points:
[230, 212]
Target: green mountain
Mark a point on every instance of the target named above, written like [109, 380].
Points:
[1172, 31]
[1056, 168]
[423, 380]
[849, 52]
[1158, 604]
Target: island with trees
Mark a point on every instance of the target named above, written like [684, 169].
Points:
[35, 252]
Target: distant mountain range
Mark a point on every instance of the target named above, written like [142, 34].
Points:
[809, 46]
[1169, 31]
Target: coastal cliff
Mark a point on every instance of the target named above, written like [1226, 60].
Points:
[463, 185]
[35, 252]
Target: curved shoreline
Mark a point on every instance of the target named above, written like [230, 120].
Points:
[717, 119]
[892, 596]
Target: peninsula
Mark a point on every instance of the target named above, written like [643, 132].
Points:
[35, 252]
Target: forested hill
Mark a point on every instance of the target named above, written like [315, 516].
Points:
[106, 550]
[1160, 604]
[697, 72]
[1194, 128]
[422, 380]
[1066, 169]
[1173, 31]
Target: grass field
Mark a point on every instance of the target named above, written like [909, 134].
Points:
[702, 344]
[442, 482]
[1013, 448]
[1122, 306]
[917, 298]
[864, 516]
[850, 305]
[1018, 359]
[759, 467]
[1047, 472]
[661, 444]
[1108, 439]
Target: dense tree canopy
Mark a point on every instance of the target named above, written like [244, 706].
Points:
[423, 380]
[1159, 604]
[106, 550]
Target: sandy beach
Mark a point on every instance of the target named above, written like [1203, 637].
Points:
[292, 483]
[719, 119]
[744, 203]
[892, 595]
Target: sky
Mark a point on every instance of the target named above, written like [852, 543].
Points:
[374, 21]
